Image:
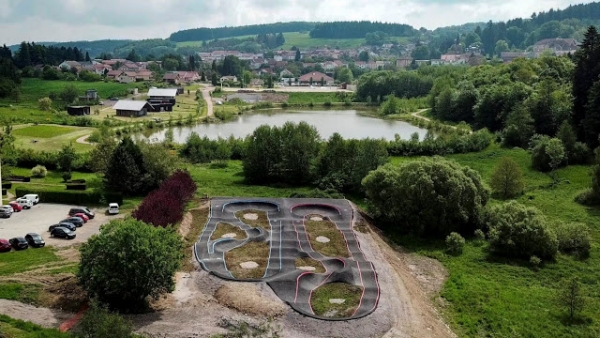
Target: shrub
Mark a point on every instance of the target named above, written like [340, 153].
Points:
[153, 256]
[98, 321]
[516, 230]
[39, 171]
[66, 176]
[479, 235]
[76, 186]
[45, 103]
[455, 244]
[535, 262]
[51, 195]
[507, 179]
[573, 238]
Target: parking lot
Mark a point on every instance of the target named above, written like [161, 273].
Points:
[43, 215]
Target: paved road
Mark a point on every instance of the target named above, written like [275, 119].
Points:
[208, 100]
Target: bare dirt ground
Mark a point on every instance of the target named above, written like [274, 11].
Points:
[45, 317]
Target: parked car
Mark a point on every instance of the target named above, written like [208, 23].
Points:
[19, 243]
[67, 225]
[24, 202]
[5, 245]
[62, 232]
[113, 208]
[34, 198]
[6, 211]
[77, 221]
[83, 216]
[82, 210]
[34, 240]
[15, 206]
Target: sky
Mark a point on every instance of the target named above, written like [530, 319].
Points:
[73, 20]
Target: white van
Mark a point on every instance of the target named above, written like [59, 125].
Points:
[25, 203]
[34, 198]
[113, 208]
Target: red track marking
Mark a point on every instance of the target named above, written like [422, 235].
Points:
[377, 282]
[69, 323]
[311, 292]
[298, 284]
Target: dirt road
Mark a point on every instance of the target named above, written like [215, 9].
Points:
[208, 100]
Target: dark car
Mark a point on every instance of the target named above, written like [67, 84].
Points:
[19, 243]
[34, 240]
[61, 232]
[5, 245]
[67, 225]
[82, 210]
[77, 221]
[6, 211]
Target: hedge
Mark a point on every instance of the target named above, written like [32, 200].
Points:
[71, 197]
[76, 186]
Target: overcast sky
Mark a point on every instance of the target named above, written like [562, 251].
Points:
[70, 20]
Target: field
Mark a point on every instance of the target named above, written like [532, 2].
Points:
[50, 137]
[490, 297]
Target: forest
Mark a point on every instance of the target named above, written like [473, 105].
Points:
[359, 29]
[205, 34]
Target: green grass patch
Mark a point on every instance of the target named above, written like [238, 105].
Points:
[226, 228]
[25, 293]
[230, 182]
[21, 261]
[322, 305]
[304, 98]
[70, 268]
[261, 222]
[309, 262]
[43, 131]
[257, 252]
[336, 247]
[303, 41]
[493, 297]
[199, 219]
[14, 328]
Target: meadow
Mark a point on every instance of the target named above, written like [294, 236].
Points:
[50, 137]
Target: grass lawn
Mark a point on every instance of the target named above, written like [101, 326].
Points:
[491, 297]
[322, 305]
[304, 41]
[50, 137]
[21, 261]
[336, 247]
[257, 252]
[307, 98]
[309, 262]
[261, 222]
[199, 219]
[14, 328]
[226, 228]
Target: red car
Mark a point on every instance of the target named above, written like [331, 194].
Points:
[83, 216]
[16, 206]
[5, 245]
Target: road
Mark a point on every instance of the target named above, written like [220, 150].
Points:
[208, 100]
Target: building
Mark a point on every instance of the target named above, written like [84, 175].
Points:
[162, 99]
[131, 108]
[403, 62]
[316, 78]
[127, 77]
[171, 78]
[510, 56]
[78, 110]
[91, 94]
[558, 46]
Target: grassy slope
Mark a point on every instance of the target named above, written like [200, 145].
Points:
[14, 328]
[494, 298]
[50, 138]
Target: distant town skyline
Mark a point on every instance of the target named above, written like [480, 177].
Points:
[73, 20]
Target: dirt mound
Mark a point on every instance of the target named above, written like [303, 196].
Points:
[64, 294]
[246, 299]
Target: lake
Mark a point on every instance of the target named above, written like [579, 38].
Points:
[348, 123]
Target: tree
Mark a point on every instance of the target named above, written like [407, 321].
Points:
[345, 75]
[214, 80]
[518, 128]
[556, 153]
[364, 56]
[298, 56]
[66, 158]
[501, 46]
[567, 135]
[129, 261]
[420, 53]
[591, 122]
[132, 56]
[126, 169]
[87, 57]
[516, 230]
[438, 197]
[571, 297]
[192, 62]
[68, 94]
[507, 179]
[101, 155]
[585, 74]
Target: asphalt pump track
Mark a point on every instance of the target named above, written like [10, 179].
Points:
[288, 241]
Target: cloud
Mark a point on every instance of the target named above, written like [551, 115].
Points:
[69, 20]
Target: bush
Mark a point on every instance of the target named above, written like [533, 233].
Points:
[507, 179]
[51, 195]
[39, 171]
[153, 256]
[479, 235]
[76, 186]
[66, 176]
[98, 321]
[455, 244]
[535, 262]
[431, 197]
[573, 238]
[516, 230]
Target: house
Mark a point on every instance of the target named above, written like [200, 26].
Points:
[78, 110]
[131, 108]
[510, 56]
[557, 46]
[286, 74]
[171, 78]
[188, 76]
[143, 75]
[454, 59]
[114, 74]
[316, 78]
[421, 62]
[256, 83]
[231, 78]
[68, 65]
[127, 77]
[162, 99]
[403, 62]
[437, 62]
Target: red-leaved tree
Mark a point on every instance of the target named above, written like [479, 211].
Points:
[165, 205]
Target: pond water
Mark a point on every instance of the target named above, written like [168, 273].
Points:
[348, 123]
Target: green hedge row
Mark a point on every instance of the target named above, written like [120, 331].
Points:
[71, 197]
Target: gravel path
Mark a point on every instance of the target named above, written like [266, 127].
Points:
[208, 100]
[48, 318]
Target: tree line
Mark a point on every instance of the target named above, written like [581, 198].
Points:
[359, 29]
[207, 34]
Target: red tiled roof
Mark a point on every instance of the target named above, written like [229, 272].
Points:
[316, 76]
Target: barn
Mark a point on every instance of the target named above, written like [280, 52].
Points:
[78, 110]
[162, 99]
[131, 108]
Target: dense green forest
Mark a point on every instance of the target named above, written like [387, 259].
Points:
[204, 34]
[359, 29]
